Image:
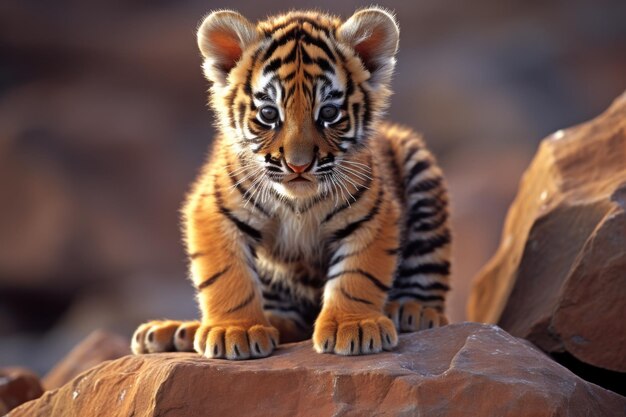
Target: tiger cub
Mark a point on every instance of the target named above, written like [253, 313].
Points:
[311, 217]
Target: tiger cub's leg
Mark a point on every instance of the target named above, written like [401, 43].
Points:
[417, 298]
[352, 321]
[164, 336]
[233, 325]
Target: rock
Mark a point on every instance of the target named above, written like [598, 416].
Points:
[98, 347]
[558, 278]
[17, 385]
[457, 370]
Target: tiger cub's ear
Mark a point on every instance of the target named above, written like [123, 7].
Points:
[373, 34]
[222, 38]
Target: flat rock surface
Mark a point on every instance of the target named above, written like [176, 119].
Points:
[558, 278]
[458, 370]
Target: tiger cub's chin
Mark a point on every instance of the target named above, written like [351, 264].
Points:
[298, 188]
[312, 217]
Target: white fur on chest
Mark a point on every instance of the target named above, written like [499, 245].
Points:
[295, 236]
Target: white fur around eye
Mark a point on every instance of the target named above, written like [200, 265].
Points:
[260, 119]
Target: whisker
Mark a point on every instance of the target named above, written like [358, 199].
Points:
[347, 170]
[346, 161]
[348, 179]
[248, 175]
[343, 187]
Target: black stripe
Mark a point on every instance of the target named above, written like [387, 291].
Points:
[211, 280]
[291, 56]
[424, 246]
[342, 119]
[325, 65]
[195, 255]
[298, 20]
[419, 217]
[412, 151]
[242, 114]
[252, 252]
[429, 202]
[304, 55]
[418, 168]
[435, 286]
[243, 303]
[349, 89]
[280, 41]
[242, 226]
[307, 91]
[356, 109]
[334, 94]
[320, 44]
[326, 160]
[262, 129]
[397, 295]
[289, 77]
[230, 102]
[424, 208]
[366, 274]
[274, 161]
[270, 296]
[354, 226]
[290, 92]
[366, 113]
[338, 258]
[442, 268]
[353, 298]
[425, 185]
[393, 251]
[272, 66]
[397, 175]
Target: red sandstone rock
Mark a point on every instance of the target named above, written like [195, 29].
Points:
[98, 347]
[17, 385]
[559, 276]
[459, 370]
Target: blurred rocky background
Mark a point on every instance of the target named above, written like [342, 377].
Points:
[103, 125]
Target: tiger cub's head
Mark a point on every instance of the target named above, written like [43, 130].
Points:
[297, 94]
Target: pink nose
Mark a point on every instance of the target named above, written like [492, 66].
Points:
[298, 168]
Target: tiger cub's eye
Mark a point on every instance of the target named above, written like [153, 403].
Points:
[328, 113]
[268, 114]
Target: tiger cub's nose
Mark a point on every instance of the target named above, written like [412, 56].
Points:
[299, 169]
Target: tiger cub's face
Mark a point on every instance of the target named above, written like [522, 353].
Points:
[296, 94]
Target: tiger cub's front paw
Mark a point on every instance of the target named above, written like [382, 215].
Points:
[351, 335]
[235, 342]
[164, 336]
[411, 316]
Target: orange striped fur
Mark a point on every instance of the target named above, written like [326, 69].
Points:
[311, 217]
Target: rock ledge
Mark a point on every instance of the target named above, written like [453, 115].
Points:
[458, 370]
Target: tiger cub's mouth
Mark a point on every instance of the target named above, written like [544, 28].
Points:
[299, 178]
